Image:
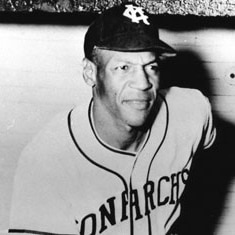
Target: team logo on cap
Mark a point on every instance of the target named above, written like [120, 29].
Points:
[136, 14]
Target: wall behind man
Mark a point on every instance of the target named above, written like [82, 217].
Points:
[41, 75]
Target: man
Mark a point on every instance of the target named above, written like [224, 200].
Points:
[119, 164]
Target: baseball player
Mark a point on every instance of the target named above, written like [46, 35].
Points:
[118, 164]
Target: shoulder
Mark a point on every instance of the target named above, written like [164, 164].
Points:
[49, 141]
[190, 114]
[184, 95]
[54, 141]
[186, 99]
[56, 127]
[187, 106]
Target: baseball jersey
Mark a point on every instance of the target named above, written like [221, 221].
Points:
[69, 181]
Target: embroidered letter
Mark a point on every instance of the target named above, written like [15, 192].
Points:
[148, 193]
[159, 190]
[91, 225]
[124, 197]
[175, 188]
[136, 14]
[109, 215]
[135, 203]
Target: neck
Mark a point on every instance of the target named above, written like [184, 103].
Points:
[118, 136]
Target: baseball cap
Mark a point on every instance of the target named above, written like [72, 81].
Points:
[127, 27]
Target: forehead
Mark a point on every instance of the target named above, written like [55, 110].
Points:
[112, 57]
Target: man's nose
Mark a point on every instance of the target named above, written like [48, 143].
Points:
[140, 80]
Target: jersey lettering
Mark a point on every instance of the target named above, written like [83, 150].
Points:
[88, 225]
[136, 14]
[149, 199]
[110, 215]
[161, 199]
[135, 203]
[124, 199]
[166, 194]
[174, 188]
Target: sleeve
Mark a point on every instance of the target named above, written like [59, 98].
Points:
[37, 206]
[209, 130]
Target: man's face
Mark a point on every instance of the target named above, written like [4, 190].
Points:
[126, 86]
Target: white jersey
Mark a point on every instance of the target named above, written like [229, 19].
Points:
[69, 181]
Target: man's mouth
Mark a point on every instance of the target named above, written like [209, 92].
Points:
[138, 104]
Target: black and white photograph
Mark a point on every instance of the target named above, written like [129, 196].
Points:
[117, 117]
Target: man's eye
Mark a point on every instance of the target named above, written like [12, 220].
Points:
[122, 67]
[154, 67]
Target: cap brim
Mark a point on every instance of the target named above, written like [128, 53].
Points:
[161, 48]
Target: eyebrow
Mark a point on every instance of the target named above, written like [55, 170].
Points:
[152, 62]
[130, 62]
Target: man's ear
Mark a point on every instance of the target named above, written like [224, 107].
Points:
[89, 72]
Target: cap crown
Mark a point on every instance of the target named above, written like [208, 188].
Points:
[126, 27]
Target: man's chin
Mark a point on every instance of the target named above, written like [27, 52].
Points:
[137, 122]
[137, 117]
